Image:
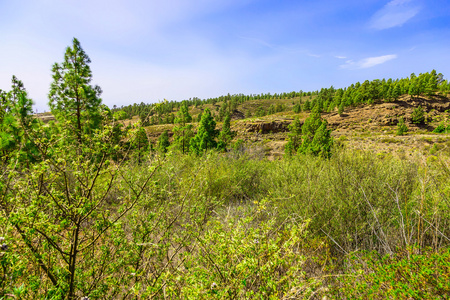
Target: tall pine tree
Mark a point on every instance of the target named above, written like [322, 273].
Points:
[182, 132]
[73, 101]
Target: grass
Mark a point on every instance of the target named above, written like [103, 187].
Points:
[236, 225]
[345, 206]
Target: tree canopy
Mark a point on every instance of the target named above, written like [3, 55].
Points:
[206, 134]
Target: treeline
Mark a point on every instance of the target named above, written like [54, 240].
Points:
[370, 92]
[327, 99]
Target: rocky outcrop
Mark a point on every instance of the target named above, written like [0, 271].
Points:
[237, 115]
[267, 127]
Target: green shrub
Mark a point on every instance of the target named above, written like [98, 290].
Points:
[406, 275]
[418, 115]
[442, 129]
[120, 115]
[401, 127]
[316, 138]
[246, 257]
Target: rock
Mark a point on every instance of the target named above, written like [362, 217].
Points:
[267, 127]
[237, 115]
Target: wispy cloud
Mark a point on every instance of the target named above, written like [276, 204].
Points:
[258, 41]
[283, 48]
[340, 56]
[393, 14]
[368, 62]
[313, 55]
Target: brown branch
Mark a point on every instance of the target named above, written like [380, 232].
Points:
[37, 256]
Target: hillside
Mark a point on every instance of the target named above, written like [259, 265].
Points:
[365, 127]
[369, 127]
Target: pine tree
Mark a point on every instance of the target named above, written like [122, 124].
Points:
[396, 93]
[322, 142]
[222, 111]
[294, 137]
[57, 207]
[307, 105]
[414, 86]
[316, 138]
[9, 128]
[206, 134]
[341, 109]
[297, 108]
[140, 143]
[17, 125]
[163, 142]
[418, 115]
[389, 94]
[73, 101]
[183, 131]
[431, 84]
[225, 135]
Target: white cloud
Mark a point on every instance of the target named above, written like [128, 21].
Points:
[394, 14]
[368, 62]
[340, 57]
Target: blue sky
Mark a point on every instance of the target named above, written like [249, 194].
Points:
[177, 49]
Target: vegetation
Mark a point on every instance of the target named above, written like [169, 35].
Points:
[225, 135]
[442, 129]
[316, 138]
[75, 103]
[418, 116]
[205, 138]
[295, 137]
[163, 142]
[230, 232]
[91, 210]
[183, 131]
[401, 127]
